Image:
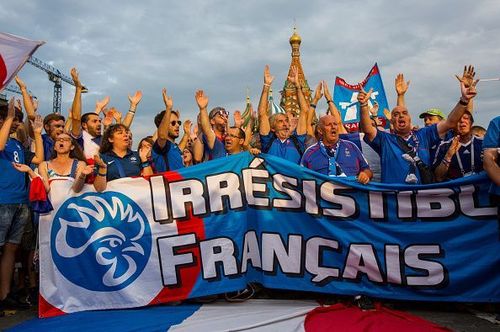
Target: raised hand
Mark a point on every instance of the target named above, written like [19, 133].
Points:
[326, 91]
[268, 79]
[468, 76]
[34, 102]
[196, 129]
[374, 109]
[454, 146]
[364, 96]
[318, 93]
[238, 120]
[100, 105]
[117, 115]
[99, 162]
[187, 127]
[11, 109]
[89, 169]
[201, 99]
[20, 83]
[387, 114]
[75, 77]
[294, 76]
[21, 167]
[468, 92]
[136, 98]
[18, 105]
[37, 124]
[401, 84]
[145, 152]
[167, 100]
[108, 119]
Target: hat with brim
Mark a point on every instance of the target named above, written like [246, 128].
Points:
[432, 111]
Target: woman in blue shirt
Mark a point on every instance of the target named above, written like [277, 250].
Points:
[116, 160]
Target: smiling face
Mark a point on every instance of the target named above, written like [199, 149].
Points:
[329, 129]
[280, 125]
[401, 120]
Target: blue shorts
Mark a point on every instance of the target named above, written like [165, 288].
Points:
[13, 219]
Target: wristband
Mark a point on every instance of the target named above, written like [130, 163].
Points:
[268, 85]
[101, 174]
[312, 105]
[446, 162]
[130, 111]
[145, 164]
[329, 101]
[463, 102]
[363, 105]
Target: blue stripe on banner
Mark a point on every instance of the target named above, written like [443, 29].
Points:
[159, 318]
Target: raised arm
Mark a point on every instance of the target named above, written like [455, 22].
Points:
[134, 101]
[366, 123]
[101, 181]
[202, 101]
[37, 125]
[28, 103]
[468, 79]
[264, 126]
[332, 109]
[187, 134]
[7, 123]
[401, 88]
[76, 107]
[163, 127]
[303, 105]
[452, 120]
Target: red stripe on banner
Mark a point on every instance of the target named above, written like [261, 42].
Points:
[189, 274]
[341, 317]
[45, 309]
[3, 72]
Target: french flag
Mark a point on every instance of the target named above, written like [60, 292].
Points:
[251, 315]
[14, 52]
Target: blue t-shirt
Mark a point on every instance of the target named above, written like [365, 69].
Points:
[285, 149]
[344, 158]
[449, 135]
[394, 167]
[218, 151]
[468, 159]
[173, 154]
[492, 141]
[48, 146]
[129, 165]
[14, 184]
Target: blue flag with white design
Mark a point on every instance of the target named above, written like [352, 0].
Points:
[345, 97]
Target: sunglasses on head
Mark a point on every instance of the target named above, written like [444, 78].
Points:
[176, 122]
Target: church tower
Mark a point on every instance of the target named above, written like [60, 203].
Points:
[289, 97]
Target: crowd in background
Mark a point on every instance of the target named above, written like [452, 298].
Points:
[97, 147]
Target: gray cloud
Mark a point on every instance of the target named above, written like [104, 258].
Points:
[222, 47]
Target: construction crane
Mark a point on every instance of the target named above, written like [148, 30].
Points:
[57, 78]
[15, 89]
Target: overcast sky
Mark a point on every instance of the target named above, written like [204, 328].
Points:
[223, 46]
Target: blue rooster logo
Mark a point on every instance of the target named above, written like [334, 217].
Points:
[101, 242]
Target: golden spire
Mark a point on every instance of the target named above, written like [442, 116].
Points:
[289, 97]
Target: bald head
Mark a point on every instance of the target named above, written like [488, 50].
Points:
[329, 129]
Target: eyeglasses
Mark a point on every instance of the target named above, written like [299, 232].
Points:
[233, 136]
[66, 139]
[176, 122]
[223, 113]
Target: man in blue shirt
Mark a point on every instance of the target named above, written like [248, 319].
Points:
[334, 156]
[460, 156]
[403, 151]
[491, 146]
[53, 125]
[434, 116]
[14, 210]
[213, 126]
[275, 135]
[166, 154]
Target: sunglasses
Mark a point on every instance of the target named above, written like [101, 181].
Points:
[223, 113]
[176, 122]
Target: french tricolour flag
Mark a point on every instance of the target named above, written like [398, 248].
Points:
[252, 315]
[14, 52]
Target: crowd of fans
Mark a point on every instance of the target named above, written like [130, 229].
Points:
[97, 147]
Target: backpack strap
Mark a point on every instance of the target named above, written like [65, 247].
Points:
[74, 166]
[297, 144]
